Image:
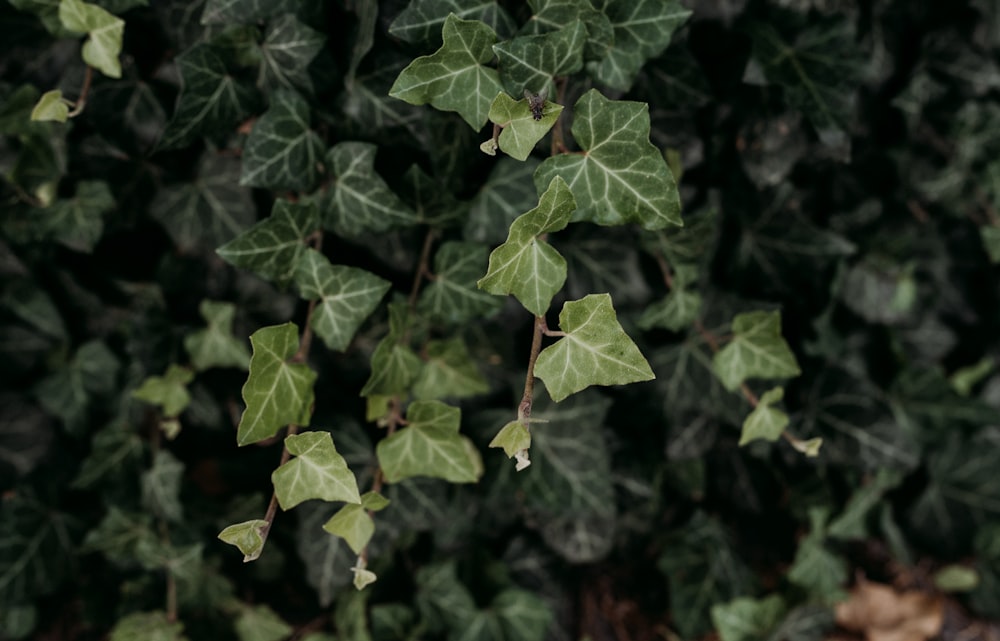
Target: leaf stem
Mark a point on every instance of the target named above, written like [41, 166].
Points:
[81, 101]
[272, 507]
[524, 408]
[423, 267]
[558, 145]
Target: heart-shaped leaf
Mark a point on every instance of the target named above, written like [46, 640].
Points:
[430, 445]
[318, 471]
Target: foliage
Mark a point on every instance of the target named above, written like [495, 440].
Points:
[718, 277]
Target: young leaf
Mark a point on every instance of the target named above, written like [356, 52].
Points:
[352, 524]
[281, 151]
[449, 372]
[525, 266]
[51, 106]
[421, 20]
[277, 392]
[316, 472]
[757, 350]
[347, 296]
[104, 31]
[622, 178]
[521, 131]
[215, 346]
[288, 48]
[746, 619]
[362, 577]
[169, 391]
[359, 199]
[453, 78]
[594, 351]
[515, 439]
[765, 422]
[147, 626]
[272, 248]
[452, 297]
[247, 537]
[430, 445]
[531, 62]
[676, 312]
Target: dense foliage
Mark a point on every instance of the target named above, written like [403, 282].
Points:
[482, 319]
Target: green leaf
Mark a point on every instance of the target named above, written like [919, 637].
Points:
[642, 30]
[622, 178]
[215, 346]
[119, 535]
[281, 151]
[116, 452]
[452, 296]
[765, 422]
[990, 237]
[359, 200]
[277, 392]
[453, 78]
[449, 372]
[246, 536]
[104, 31]
[260, 623]
[550, 15]
[363, 578]
[521, 131]
[526, 266]
[515, 439]
[327, 559]
[288, 48]
[353, 524]
[161, 487]
[147, 626]
[430, 445]
[594, 351]
[272, 248]
[35, 547]
[346, 295]
[367, 16]
[67, 392]
[422, 20]
[316, 472]
[532, 62]
[34, 306]
[756, 350]
[816, 569]
[78, 222]
[676, 312]
[956, 578]
[503, 197]
[51, 106]
[168, 392]
[244, 11]
[212, 99]
[394, 365]
[746, 619]
[850, 524]
[964, 379]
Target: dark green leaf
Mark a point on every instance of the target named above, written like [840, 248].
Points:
[746, 619]
[449, 372]
[161, 487]
[506, 194]
[452, 297]
[359, 200]
[282, 152]
[272, 248]
[530, 63]
[288, 48]
[422, 20]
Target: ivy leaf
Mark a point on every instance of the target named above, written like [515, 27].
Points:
[288, 48]
[594, 351]
[247, 537]
[359, 200]
[756, 350]
[515, 439]
[622, 178]
[104, 34]
[51, 106]
[352, 524]
[277, 392]
[453, 78]
[215, 346]
[765, 422]
[116, 452]
[676, 312]
[347, 296]
[531, 62]
[161, 487]
[521, 132]
[850, 524]
[642, 30]
[67, 392]
[316, 472]
[503, 197]
[281, 151]
[549, 15]
[327, 559]
[430, 445]
[393, 364]
[990, 237]
[272, 248]
[526, 266]
[244, 11]
[212, 99]
[816, 569]
[452, 297]
[422, 20]
[260, 623]
[168, 392]
[449, 372]
[147, 626]
[78, 222]
[746, 619]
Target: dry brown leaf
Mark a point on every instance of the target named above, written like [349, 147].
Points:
[883, 614]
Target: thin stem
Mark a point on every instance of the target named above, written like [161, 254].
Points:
[558, 145]
[394, 420]
[272, 507]
[81, 102]
[524, 409]
[305, 343]
[423, 267]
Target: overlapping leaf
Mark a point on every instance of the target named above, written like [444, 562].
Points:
[549, 15]
[318, 471]
[452, 296]
[394, 365]
[282, 152]
[277, 392]
[756, 350]
[622, 177]
[215, 346]
[675, 312]
[454, 78]
[595, 350]
[526, 266]
[422, 20]
[531, 62]
[272, 248]
[521, 131]
[288, 48]
[244, 11]
[449, 372]
[359, 199]
[503, 197]
[104, 34]
[353, 522]
[430, 445]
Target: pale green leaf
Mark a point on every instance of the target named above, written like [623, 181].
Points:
[247, 537]
[756, 350]
[453, 78]
[765, 422]
[374, 501]
[430, 445]
[147, 626]
[452, 296]
[526, 266]
[422, 20]
[956, 578]
[515, 439]
[747, 619]
[282, 152]
[521, 130]
[277, 392]
[215, 346]
[161, 487]
[363, 578]
[549, 15]
[676, 312]
[288, 48]
[503, 197]
[51, 106]
[353, 524]
[78, 222]
[594, 351]
[318, 471]
[272, 248]
[448, 372]
[642, 30]
[104, 31]
[622, 178]
[359, 200]
[532, 62]
[169, 391]
[346, 297]
[260, 623]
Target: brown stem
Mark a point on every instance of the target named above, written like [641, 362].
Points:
[272, 507]
[423, 267]
[524, 409]
[305, 343]
[558, 145]
[81, 102]
[668, 276]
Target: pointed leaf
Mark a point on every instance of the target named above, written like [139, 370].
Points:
[430, 445]
[757, 350]
[676, 312]
[281, 151]
[147, 626]
[78, 222]
[525, 266]
[622, 178]
[161, 487]
[327, 559]
[449, 372]
[347, 296]
[277, 392]
[288, 48]
[215, 346]
[363, 578]
[247, 537]
[531, 62]
[359, 200]
[169, 391]
[422, 20]
[452, 296]
[453, 78]
[316, 472]
[51, 106]
[521, 130]
[104, 31]
[272, 248]
[746, 619]
[515, 439]
[765, 422]
[353, 524]
[394, 365]
[260, 623]
[502, 198]
[594, 351]
[557, 14]
[244, 11]
[374, 501]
